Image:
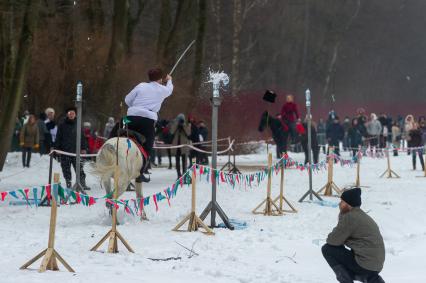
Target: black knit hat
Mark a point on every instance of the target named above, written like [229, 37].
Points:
[352, 197]
[72, 108]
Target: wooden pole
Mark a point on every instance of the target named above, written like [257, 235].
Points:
[390, 173]
[330, 186]
[50, 255]
[358, 165]
[194, 221]
[113, 234]
[270, 207]
[281, 198]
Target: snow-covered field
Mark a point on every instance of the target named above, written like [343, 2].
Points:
[270, 249]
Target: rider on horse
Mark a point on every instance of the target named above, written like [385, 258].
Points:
[144, 102]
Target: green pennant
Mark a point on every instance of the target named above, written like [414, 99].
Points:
[126, 120]
[61, 192]
[43, 189]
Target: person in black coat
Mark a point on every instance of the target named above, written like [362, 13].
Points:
[417, 144]
[355, 136]
[203, 134]
[66, 140]
[280, 131]
[335, 134]
[314, 142]
[195, 138]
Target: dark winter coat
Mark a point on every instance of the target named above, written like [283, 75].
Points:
[66, 138]
[355, 136]
[194, 137]
[203, 132]
[358, 231]
[335, 134]
[304, 137]
[415, 138]
[289, 112]
[29, 135]
[42, 129]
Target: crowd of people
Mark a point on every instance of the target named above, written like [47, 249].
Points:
[289, 132]
[44, 133]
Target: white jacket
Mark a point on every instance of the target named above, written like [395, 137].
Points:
[146, 98]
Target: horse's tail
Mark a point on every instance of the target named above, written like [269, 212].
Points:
[105, 161]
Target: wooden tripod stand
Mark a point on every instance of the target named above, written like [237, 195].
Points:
[271, 209]
[113, 234]
[281, 198]
[50, 254]
[194, 221]
[330, 186]
[390, 173]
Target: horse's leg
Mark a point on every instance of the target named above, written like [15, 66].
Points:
[139, 195]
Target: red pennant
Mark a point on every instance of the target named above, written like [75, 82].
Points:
[112, 203]
[78, 197]
[48, 192]
[126, 208]
[155, 202]
[167, 196]
[3, 195]
[91, 201]
[222, 179]
[201, 170]
[26, 192]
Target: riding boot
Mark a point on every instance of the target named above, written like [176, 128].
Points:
[342, 275]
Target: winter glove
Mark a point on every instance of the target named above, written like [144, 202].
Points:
[21, 144]
[36, 146]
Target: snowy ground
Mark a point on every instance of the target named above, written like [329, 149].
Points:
[270, 249]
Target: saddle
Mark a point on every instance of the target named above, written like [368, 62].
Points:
[137, 138]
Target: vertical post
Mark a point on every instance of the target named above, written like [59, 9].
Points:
[308, 107]
[268, 209]
[282, 186]
[78, 103]
[424, 162]
[216, 103]
[53, 213]
[388, 161]
[194, 192]
[358, 164]
[50, 168]
[330, 165]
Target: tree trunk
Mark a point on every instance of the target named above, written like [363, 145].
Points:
[13, 93]
[199, 51]
[237, 26]
[116, 54]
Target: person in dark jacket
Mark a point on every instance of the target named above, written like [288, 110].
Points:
[359, 232]
[279, 131]
[314, 142]
[416, 143]
[66, 140]
[335, 134]
[29, 138]
[321, 134]
[203, 134]
[289, 115]
[355, 136]
[194, 137]
[51, 128]
[44, 134]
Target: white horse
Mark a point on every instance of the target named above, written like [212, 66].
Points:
[130, 162]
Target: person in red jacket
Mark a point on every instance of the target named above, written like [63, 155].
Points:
[290, 114]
